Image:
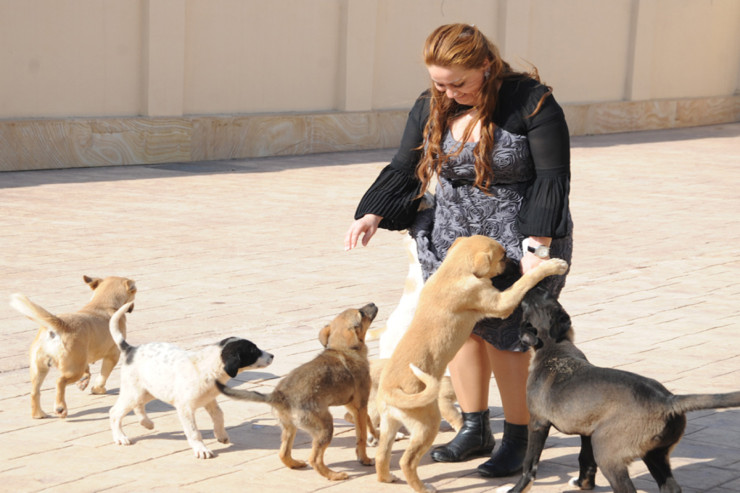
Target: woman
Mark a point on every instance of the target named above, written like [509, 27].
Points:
[499, 146]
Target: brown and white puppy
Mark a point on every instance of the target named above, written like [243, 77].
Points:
[339, 376]
[456, 296]
[74, 340]
[619, 415]
[185, 379]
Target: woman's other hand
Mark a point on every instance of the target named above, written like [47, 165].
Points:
[366, 227]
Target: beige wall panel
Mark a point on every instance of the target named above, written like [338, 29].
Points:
[70, 58]
[696, 48]
[403, 25]
[253, 56]
[580, 47]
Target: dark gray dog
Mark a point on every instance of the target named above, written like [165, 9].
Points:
[619, 415]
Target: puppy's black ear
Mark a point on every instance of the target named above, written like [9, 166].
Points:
[237, 353]
[561, 326]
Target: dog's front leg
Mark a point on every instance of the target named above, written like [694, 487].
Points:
[106, 367]
[360, 418]
[505, 302]
[187, 419]
[587, 466]
[538, 432]
[217, 416]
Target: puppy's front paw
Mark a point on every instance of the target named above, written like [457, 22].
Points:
[147, 423]
[223, 438]
[122, 440]
[556, 266]
[201, 452]
[390, 478]
[98, 390]
[584, 485]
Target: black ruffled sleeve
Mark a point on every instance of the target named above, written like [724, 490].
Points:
[392, 195]
[545, 211]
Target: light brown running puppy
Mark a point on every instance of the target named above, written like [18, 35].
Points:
[339, 376]
[454, 298]
[74, 340]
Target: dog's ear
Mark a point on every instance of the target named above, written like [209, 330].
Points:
[324, 335]
[130, 286]
[231, 359]
[237, 353]
[561, 327]
[482, 263]
[93, 282]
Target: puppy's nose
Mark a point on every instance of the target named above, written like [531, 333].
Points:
[369, 310]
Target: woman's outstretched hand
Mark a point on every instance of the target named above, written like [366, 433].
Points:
[366, 227]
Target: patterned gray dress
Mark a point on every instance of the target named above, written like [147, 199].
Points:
[464, 210]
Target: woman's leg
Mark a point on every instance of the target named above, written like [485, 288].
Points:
[470, 372]
[510, 370]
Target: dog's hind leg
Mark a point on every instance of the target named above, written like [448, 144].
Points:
[120, 409]
[389, 426]
[286, 441]
[586, 479]
[60, 405]
[321, 427]
[423, 428]
[658, 463]
[140, 411]
[217, 416]
[39, 368]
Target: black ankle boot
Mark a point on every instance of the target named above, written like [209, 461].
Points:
[508, 459]
[473, 439]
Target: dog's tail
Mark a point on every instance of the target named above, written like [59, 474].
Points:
[115, 330]
[243, 395]
[399, 398]
[697, 402]
[37, 313]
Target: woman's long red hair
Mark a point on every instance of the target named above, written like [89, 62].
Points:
[464, 46]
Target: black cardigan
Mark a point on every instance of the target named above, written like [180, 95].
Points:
[545, 209]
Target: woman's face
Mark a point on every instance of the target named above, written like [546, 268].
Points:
[461, 84]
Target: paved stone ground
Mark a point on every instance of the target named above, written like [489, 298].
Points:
[254, 248]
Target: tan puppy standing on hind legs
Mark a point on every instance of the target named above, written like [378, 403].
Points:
[74, 340]
[454, 298]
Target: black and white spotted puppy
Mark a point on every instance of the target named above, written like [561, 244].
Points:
[184, 379]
